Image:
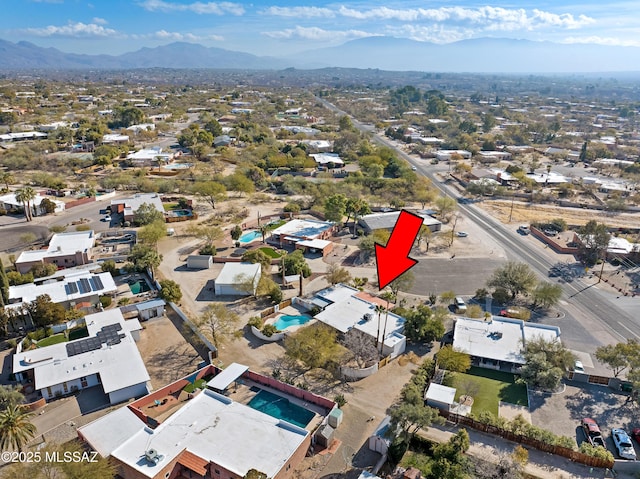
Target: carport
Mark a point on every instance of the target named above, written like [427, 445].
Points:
[221, 382]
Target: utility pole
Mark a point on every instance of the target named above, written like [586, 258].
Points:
[513, 197]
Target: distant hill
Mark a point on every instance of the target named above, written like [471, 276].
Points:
[481, 55]
[25, 55]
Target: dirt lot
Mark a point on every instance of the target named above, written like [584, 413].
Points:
[527, 213]
[165, 352]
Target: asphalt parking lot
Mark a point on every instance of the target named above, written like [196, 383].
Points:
[561, 413]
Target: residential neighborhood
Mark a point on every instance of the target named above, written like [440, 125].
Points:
[190, 276]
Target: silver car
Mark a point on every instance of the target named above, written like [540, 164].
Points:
[623, 444]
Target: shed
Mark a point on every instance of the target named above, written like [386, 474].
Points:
[335, 418]
[439, 396]
[199, 261]
[150, 309]
[378, 441]
[324, 436]
[234, 276]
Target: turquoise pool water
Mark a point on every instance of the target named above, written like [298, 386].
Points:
[283, 322]
[281, 408]
[250, 236]
[177, 166]
[139, 286]
[181, 213]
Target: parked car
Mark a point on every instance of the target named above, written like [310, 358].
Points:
[578, 367]
[107, 218]
[623, 444]
[459, 305]
[414, 168]
[462, 234]
[592, 431]
[516, 313]
[635, 433]
[524, 230]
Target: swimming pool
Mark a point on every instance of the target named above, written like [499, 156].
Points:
[285, 321]
[250, 236]
[281, 408]
[178, 166]
[139, 286]
[180, 213]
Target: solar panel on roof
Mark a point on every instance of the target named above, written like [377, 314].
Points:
[96, 283]
[82, 288]
[71, 288]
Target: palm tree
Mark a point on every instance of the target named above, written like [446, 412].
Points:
[15, 427]
[25, 196]
[379, 310]
[388, 296]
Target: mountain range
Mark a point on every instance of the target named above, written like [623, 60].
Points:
[481, 55]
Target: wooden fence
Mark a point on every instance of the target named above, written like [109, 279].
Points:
[575, 456]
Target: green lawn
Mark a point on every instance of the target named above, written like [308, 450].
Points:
[200, 384]
[55, 339]
[276, 224]
[170, 206]
[270, 252]
[491, 386]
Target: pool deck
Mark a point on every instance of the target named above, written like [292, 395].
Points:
[241, 393]
[292, 310]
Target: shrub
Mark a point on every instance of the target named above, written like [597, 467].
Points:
[256, 322]
[275, 294]
[501, 296]
[123, 301]
[269, 330]
[209, 249]
[340, 400]
[12, 343]
[105, 301]
[481, 294]
[596, 451]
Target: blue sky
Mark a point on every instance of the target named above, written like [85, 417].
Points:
[288, 26]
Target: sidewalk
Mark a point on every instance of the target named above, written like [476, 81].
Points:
[541, 464]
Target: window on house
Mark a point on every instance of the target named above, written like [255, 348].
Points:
[65, 388]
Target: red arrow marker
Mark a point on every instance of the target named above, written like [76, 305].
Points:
[393, 260]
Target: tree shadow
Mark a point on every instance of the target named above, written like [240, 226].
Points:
[207, 293]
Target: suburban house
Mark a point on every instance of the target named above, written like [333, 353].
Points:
[23, 136]
[328, 160]
[142, 127]
[150, 157]
[343, 307]
[386, 221]
[78, 289]
[8, 202]
[209, 434]
[65, 250]
[297, 230]
[315, 246]
[439, 396]
[234, 277]
[445, 155]
[108, 357]
[128, 206]
[115, 138]
[499, 342]
[222, 140]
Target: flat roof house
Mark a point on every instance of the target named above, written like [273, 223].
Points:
[9, 202]
[69, 290]
[234, 275]
[210, 435]
[344, 308]
[301, 229]
[128, 206]
[65, 250]
[149, 156]
[499, 342]
[108, 357]
[332, 160]
[386, 221]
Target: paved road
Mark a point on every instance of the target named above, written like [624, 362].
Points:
[591, 307]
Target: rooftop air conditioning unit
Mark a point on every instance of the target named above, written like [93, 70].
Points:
[152, 456]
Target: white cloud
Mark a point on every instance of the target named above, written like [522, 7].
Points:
[214, 8]
[300, 12]
[433, 33]
[611, 41]
[175, 36]
[78, 29]
[490, 17]
[318, 34]
[99, 21]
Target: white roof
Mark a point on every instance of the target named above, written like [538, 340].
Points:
[227, 376]
[149, 154]
[621, 246]
[388, 220]
[22, 135]
[231, 271]
[325, 158]
[132, 203]
[119, 365]
[347, 311]
[71, 288]
[61, 244]
[552, 177]
[499, 339]
[210, 426]
[440, 393]
[299, 228]
[108, 432]
[314, 243]
[142, 126]
[10, 198]
[113, 137]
